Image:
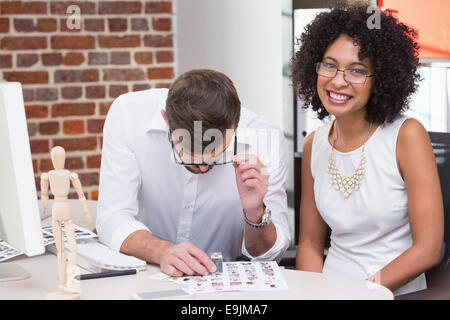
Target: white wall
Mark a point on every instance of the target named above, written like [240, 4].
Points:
[241, 38]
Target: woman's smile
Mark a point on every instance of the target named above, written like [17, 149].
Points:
[338, 97]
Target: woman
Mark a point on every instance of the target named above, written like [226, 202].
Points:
[369, 174]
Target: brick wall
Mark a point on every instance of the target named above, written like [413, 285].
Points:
[70, 75]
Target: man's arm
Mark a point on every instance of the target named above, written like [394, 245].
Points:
[258, 188]
[174, 259]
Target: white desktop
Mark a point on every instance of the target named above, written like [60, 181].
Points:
[20, 224]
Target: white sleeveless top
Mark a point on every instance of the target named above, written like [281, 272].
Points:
[370, 228]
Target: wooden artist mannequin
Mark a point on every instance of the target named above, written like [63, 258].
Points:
[59, 180]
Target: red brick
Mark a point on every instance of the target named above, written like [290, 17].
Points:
[36, 111]
[120, 58]
[160, 73]
[51, 59]
[95, 92]
[123, 74]
[162, 24]
[4, 25]
[35, 166]
[117, 24]
[158, 7]
[73, 127]
[73, 109]
[48, 128]
[77, 144]
[141, 86]
[163, 85]
[74, 163]
[88, 75]
[70, 164]
[46, 25]
[117, 90]
[23, 7]
[39, 146]
[156, 40]
[46, 94]
[164, 56]
[45, 165]
[72, 42]
[131, 41]
[73, 26]
[95, 125]
[28, 94]
[98, 58]
[94, 25]
[27, 60]
[89, 179]
[24, 25]
[94, 162]
[60, 7]
[5, 61]
[73, 58]
[104, 107]
[32, 129]
[143, 57]
[94, 195]
[26, 77]
[119, 7]
[23, 43]
[139, 24]
[71, 92]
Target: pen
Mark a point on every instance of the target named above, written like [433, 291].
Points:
[106, 274]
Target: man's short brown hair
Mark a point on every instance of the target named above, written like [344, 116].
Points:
[203, 95]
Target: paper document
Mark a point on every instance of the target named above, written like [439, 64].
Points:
[236, 276]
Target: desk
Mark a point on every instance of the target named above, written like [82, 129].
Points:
[302, 285]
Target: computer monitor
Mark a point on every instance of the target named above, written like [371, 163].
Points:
[20, 224]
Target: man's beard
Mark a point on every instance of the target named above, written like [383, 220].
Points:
[197, 172]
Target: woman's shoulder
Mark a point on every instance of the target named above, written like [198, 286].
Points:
[412, 133]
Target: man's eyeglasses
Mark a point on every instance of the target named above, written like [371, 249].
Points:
[354, 75]
[223, 158]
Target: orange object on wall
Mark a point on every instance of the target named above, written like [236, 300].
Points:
[432, 20]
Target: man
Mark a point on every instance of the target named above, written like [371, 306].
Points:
[170, 157]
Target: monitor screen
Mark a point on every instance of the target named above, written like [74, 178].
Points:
[20, 224]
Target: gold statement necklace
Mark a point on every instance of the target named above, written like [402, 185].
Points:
[347, 184]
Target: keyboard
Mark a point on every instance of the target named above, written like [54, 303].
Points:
[96, 257]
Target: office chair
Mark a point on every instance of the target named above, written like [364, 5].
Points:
[438, 278]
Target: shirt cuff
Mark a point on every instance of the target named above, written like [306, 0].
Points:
[275, 253]
[119, 229]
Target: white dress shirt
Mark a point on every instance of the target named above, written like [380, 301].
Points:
[142, 188]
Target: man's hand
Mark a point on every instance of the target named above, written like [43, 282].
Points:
[185, 258]
[252, 180]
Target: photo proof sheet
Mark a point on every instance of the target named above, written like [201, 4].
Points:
[237, 276]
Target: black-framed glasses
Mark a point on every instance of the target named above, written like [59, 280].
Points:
[353, 75]
[225, 157]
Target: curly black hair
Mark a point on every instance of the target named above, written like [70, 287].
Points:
[393, 50]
